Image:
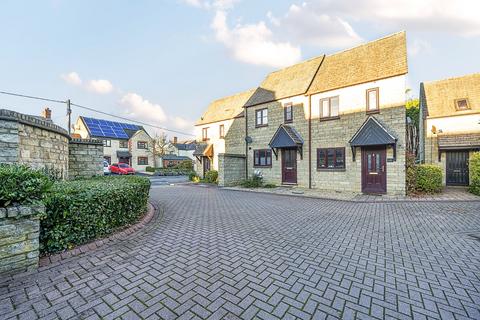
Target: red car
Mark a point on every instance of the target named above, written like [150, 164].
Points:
[121, 168]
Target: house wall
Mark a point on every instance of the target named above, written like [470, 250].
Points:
[232, 169]
[136, 152]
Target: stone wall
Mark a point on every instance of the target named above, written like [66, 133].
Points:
[85, 158]
[231, 169]
[19, 238]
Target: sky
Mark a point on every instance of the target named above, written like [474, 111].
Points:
[162, 62]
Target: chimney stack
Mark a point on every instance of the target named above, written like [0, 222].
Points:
[175, 139]
[47, 113]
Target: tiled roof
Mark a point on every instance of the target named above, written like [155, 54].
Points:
[184, 146]
[285, 137]
[459, 141]
[288, 82]
[379, 59]
[172, 157]
[372, 133]
[440, 96]
[225, 108]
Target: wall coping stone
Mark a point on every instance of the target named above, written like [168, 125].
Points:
[86, 141]
[10, 115]
[18, 211]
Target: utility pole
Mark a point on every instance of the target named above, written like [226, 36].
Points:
[69, 114]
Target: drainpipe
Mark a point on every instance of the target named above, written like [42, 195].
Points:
[246, 142]
[310, 142]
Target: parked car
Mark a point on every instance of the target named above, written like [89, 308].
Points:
[121, 168]
[106, 168]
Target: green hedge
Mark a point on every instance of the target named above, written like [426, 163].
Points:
[428, 178]
[211, 176]
[475, 174]
[21, 185]
[82, 210]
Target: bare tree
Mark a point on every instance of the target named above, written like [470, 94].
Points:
[158, 146]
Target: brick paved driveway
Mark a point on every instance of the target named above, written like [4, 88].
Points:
[227, 254]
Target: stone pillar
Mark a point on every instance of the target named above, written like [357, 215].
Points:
[19, 238]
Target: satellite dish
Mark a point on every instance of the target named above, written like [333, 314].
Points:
[248, 139]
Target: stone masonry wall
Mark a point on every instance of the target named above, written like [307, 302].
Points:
[231, 169]
[19, 238]
[85, 158]
[8, 141]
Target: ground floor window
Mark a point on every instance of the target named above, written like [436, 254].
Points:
[142, 161]
[331, 158]
[262, 158]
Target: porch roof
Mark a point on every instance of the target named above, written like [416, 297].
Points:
[286, 137]
[372, 133]
[123, 154]
[459, 141]
[203, 150]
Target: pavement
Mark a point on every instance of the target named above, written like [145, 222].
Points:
[221, 254]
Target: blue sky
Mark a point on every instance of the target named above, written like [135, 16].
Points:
[164, 61]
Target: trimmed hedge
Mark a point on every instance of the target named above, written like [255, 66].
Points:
[475, 174]
[428, 178]
[82, 210]
[21, 185]
[211, 176]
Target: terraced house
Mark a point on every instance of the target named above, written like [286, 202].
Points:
[450, 125]
[335, 122]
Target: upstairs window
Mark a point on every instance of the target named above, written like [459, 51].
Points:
[142, 145]
[331, 158]
[261, 117]
[373, 100]
[329, 108]
[262, 158]
[288, 113]
[222, 131]
[204, 134]
[107, 143]
[123, 144]
[462, 104]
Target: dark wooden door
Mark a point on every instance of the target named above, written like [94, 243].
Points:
[457, 168]
[206, 165]
[289, 165]
[374, 170]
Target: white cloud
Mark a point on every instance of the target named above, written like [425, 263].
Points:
[141, 109]
[72, 78]
[100, 86]
[254, 43]
[419, 46]
[215, 4]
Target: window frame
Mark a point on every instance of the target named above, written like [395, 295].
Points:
[205, 134]
[221, 131]
[256, 154]
[367, 102]
[142, 142]
[285, 107]
[142, 164]
[325, 162]
[462, 109]
[262, 124]
[330, 117]
[107, 143]
[121, 142]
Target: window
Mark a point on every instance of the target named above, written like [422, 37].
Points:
[222, 131]
[261, 117]
[142, 145]
[262, 158]
[204, 134]
[462, 104]
[107, 143]
[288, 113]
[331, 158]
[123, 144]
[142, 161]
[108, 159]
[329, 108]
[372, 100]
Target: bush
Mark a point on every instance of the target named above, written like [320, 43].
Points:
[82, 210]
[21, 185]
[211, 176]
[428, 178]
[411, 174]
[475, 174]
[255, 182]
[192, 175]
[185, 166]
[269, 186]
[150, 169]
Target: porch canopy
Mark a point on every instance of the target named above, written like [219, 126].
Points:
[470, 141]
[286, 137]
[203, 150]
[373, 133]
[123, 154]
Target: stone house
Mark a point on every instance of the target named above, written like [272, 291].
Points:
[450, 125]
[122, 142]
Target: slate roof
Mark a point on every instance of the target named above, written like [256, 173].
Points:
[459, 141]
[287, 82]
[285, 137]
[372, 133]
[123, 154]
[225, 108]
[184, 146]
[203, 149]
[439, 96]
[379, 59]
[172, 157]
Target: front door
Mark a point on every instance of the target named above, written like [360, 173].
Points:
[289, 165]
[206, 165]
[374, 170]
[457, 168]
[124, 160]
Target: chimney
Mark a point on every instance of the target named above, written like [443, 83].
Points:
[47, 113]
[175, 139]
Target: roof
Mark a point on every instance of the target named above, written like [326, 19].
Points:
[203, 150]
[285, 137]
[459, 141]
[123, 154]
[439, 96]
[184, 146]
[109, 129]
[372, 133]
[379, 59]
[225, 108]
[172, 157]
[287, 82]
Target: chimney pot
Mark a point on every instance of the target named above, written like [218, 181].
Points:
[47, 113]
[175, 139]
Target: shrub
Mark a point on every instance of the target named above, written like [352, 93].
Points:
[185, 166]
[269, 186]
[192, 175]
[21, 185]
[411, 175]
[475, 174]
[150, 169]
[255, 182]
[211, 176]
[428, 178]
[82, 210]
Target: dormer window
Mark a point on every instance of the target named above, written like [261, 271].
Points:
[462, 104]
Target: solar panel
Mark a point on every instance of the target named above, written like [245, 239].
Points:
[107, 128]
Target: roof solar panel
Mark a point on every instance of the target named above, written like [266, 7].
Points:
[107, 128]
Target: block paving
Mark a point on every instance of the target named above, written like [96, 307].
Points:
[222, 254]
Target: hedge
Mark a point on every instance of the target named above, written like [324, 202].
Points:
[211, 176]
[475, 174]
[82, 210]
[428, 178]
[21, 185]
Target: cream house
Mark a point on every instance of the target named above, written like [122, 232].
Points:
[123, 142]
[450, 125]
